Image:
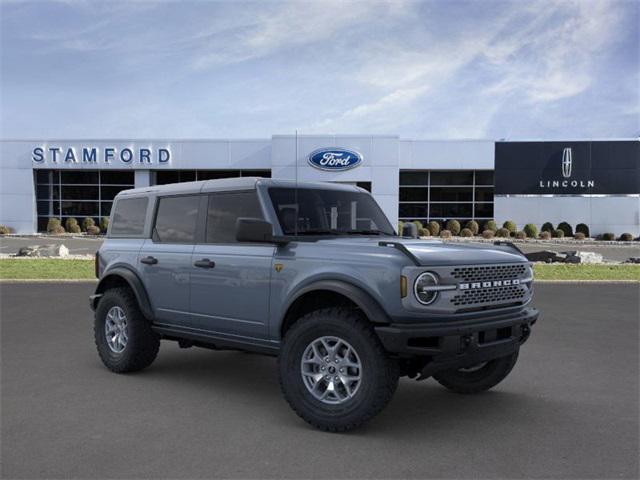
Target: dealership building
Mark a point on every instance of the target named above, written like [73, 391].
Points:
[596, 182]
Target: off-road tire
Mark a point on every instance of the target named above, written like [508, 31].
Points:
[143, 343]
[480, 380]
[379, 373]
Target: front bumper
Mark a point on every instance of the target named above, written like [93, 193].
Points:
[459, 344]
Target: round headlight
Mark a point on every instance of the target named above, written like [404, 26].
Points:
[422, 290]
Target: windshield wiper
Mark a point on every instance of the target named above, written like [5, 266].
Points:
[320, 232]
[367, 232]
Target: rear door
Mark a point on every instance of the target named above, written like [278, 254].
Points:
[165, 259]
[230, 281]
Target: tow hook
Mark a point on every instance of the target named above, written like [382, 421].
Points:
[525, 333]
[466, 341]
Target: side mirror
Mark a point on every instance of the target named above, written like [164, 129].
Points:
[254, 230]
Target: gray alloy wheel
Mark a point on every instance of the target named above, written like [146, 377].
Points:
[331, 370]
[115, 329]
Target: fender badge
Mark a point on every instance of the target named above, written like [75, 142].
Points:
[278, 267]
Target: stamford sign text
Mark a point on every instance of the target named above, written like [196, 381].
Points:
[89, 155]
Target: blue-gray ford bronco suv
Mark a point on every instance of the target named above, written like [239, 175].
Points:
[315, 274]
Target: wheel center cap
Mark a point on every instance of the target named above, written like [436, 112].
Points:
[332, 369]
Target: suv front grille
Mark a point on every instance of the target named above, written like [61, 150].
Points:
[510, 294]
[489, 272]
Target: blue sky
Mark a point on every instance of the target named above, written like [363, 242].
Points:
[423, 70]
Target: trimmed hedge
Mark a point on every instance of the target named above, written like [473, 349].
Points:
[71, 225]
[491, 225]
[503, 233]
[566, 228]
[473, 226]
[88, 222]
[608, 236]
[466, 232]
[488, 234]
[453, 226]
[521, 235]
[547, 227]
[531, 230]
[93, 230]
[579, 236]
[434, 228]
[104, 224]
[557, 233]
[626, 237]
[445, 234]
[545, 235]
[583, 228]
[511, 226]
[4, 230]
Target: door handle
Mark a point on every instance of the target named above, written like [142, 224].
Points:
[204, 263]
[149, 260]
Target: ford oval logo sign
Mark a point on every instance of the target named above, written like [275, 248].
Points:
[334, 159]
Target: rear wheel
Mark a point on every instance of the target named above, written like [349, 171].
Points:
[333, 370]
[123, 336]
[477, 378]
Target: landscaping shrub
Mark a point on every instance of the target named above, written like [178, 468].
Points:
[400, 227]
[453, 226]
[52, 224]
[566, 228]
[88, 222]
[434, 228]
[583, 228]
[93, 230]
[608, 236]
[626, 237]
[503, 233]
[511, 226]
[521, 235]
[488, 234]
[545, 235]
[424, 232]
[57, 230]
[491, 225]
[71, 225]
[473, 226]
[5, 230]
[547, 227]
[579, 236]
[445, 234]
[531, 230]
[466, 232]
[420, 227]
[104, 224]
[557, 233]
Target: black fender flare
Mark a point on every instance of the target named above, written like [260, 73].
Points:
[365, 302]
[133, 280]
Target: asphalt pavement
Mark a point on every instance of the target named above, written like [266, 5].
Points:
[568, 410]
[88, 246]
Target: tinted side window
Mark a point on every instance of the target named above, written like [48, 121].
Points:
[224, 210]
[176, 219]
[128, 217]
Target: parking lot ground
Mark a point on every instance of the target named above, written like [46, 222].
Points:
[568, 410]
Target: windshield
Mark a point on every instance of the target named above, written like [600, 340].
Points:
[328, 212]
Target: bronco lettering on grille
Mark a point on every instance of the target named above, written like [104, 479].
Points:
[490, 284]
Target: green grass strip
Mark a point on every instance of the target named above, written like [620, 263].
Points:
[42, 269]
[564, 271]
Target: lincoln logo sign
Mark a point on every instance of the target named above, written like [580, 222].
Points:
[93, 155]
[567, 167]
[334, 159]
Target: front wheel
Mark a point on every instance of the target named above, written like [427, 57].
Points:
[333, 370]
[477, 378]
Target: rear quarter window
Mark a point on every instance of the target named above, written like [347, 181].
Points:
[128, 217]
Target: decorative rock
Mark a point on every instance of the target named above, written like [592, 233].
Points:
[51, 250]
[546, 256]
[587, 257]
[632, 260]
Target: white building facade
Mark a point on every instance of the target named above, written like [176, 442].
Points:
[591, 182]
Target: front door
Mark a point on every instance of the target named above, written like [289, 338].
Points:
[165, 259]
[230, 281]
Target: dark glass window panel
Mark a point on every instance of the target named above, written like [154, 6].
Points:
[365, 185]
[43, 208]
[42, 223]
[484, 210]
[89, 177]
[56, 207]
[416, 194]
[215, 174]
[415, 210]
[42, 176]
[484, 177]
[105, 209]
[257, 173]
[79, 192]
[449, 194]
[176, 219]
[43, 191]
[453, 177]
[451, 210]
[224, 210]
[414, 178]
[55, 191]
[80, 209]
[163, 177]
[117, 177]
[484, 194]
[129, 217]
[109, 192]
